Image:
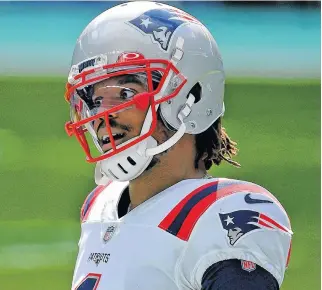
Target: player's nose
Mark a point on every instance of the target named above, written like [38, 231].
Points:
[101, 122]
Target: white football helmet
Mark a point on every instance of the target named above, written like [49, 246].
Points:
[164, 45]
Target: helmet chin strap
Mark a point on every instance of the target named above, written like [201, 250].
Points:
[184, 112]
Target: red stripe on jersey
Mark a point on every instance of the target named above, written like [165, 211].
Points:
[88, 203]
[289, 254]
[264, 224]
[204, 204]
[268, 219]
[167, 221]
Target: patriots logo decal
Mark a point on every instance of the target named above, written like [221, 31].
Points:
[161, 24]
[238, 223]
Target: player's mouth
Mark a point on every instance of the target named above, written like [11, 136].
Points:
[105, 141]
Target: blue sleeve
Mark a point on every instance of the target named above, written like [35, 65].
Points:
[237, 275]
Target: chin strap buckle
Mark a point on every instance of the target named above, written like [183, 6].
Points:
[184, 112]
[186, 109]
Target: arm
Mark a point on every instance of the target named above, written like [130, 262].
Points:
[229, 275]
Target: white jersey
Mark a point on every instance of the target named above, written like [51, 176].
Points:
[170, 240]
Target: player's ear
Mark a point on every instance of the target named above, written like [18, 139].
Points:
[160, 133]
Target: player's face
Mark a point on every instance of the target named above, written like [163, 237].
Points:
[124, 124]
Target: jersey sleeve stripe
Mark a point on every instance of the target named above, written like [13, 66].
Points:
[182, 219]
[171, 217]
[90, 200]
[289, 255]
[274, 223]
[188, 207]
[260, 222]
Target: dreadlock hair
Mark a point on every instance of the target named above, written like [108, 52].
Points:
[217, 145]
[214, 142]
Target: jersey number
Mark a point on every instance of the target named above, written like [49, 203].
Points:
[90, 282]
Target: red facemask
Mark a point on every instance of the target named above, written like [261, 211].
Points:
[87, 108]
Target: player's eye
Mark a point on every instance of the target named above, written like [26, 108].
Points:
[126, 94]
[98, 102]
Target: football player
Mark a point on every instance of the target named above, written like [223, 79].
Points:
[146, 90]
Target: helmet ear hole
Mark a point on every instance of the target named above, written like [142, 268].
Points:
[196, 92]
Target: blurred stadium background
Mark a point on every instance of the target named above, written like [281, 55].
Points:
[271, 52]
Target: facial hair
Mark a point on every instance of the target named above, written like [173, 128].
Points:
[156, 158]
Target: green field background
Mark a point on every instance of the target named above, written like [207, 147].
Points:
[44, 177]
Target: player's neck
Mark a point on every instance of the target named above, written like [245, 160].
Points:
[143, 189]
[162, 177]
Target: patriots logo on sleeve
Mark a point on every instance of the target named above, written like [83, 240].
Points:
[161, 24]
[238, 223]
